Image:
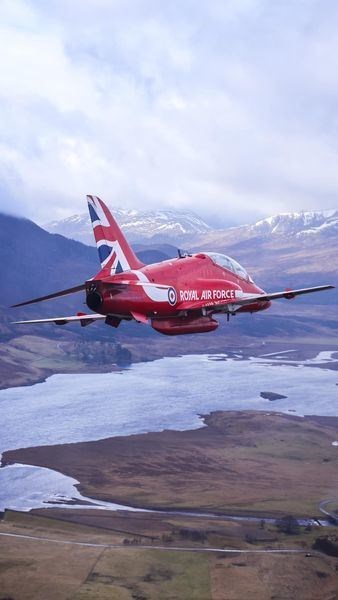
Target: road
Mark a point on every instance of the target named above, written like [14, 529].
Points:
[333, 513]
[153, 547]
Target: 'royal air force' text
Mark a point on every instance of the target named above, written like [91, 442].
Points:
[186, 295]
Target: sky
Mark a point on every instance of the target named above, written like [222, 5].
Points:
[227, 108]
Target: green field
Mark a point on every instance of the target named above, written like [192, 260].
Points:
[57, 570]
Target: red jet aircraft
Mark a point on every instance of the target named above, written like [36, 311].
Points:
[175, 296]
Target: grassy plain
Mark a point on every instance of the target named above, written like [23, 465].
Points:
[147, 574]
[57, 570]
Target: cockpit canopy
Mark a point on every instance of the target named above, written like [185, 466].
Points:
[229, 263]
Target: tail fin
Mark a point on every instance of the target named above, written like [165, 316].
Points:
[115, 253]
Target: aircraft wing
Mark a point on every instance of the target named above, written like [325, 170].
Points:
[243, 298]
[72, 290]
[83, 318]
[117, 286]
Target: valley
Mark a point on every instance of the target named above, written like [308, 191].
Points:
[243, 462]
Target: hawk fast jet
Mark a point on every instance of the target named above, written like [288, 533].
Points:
[176, 296]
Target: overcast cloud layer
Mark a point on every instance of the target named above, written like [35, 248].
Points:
[228, 108]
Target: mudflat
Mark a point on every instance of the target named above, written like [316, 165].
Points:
[241, 462]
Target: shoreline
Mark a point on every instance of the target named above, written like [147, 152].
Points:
[33, 373]
[331, 422]
[221, 467]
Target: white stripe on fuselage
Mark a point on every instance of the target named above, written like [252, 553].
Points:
[154, 293]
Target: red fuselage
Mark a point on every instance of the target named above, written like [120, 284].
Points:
[193, 287]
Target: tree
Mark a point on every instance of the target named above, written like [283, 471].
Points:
[288, 524]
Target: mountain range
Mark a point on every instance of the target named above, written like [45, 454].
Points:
[177, 226]
[172, 226]
[298, 225]
[288, 249]
[301, 224]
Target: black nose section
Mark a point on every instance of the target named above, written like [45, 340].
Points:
[94, 300]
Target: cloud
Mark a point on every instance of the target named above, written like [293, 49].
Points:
[228, 109]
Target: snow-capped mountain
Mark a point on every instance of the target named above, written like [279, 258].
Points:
[306, 226]
[174, 226]
[298, 224]
[182, 226]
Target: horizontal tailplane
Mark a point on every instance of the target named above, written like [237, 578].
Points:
[73, 290]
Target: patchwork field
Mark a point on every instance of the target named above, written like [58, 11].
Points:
[60, 568]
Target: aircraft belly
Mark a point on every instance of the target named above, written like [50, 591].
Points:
[184, 325]
[254, 307]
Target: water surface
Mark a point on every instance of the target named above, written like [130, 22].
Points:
[169, 393]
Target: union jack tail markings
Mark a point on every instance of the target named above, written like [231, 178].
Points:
[115, 253]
